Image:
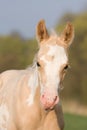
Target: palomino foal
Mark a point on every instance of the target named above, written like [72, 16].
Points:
[29, 99]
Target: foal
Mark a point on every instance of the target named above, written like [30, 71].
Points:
[29, 99]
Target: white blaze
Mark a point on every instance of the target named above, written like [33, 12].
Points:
[52, 68]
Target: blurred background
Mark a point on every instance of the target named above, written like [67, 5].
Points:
[18, 19]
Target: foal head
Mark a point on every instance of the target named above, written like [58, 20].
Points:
[52, 62]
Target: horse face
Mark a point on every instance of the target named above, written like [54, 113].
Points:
[52, 63]
[52, 60]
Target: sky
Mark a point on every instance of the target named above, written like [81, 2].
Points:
[23, 15]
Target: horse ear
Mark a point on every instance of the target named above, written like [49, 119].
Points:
[41, 31]
[68, 34]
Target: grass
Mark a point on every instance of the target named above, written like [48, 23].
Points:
[75, 122]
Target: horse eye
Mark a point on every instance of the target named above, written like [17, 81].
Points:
[38, 64]
[66, 67]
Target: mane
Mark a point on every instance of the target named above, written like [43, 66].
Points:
[33, 65]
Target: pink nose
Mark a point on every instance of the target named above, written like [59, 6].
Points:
[49, 101]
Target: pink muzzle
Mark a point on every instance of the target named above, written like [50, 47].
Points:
[49, 99]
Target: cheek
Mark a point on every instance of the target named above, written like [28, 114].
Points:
[62, 75]
[42, 76]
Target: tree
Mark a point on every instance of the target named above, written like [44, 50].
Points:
[76, 80]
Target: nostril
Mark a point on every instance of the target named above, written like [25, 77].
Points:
[55, 98]
[43, 96]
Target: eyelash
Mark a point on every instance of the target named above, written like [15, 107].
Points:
[38, 64]
[66, 67]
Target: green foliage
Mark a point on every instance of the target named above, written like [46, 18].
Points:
[16, 53]
[76, 79]
[75, 122]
